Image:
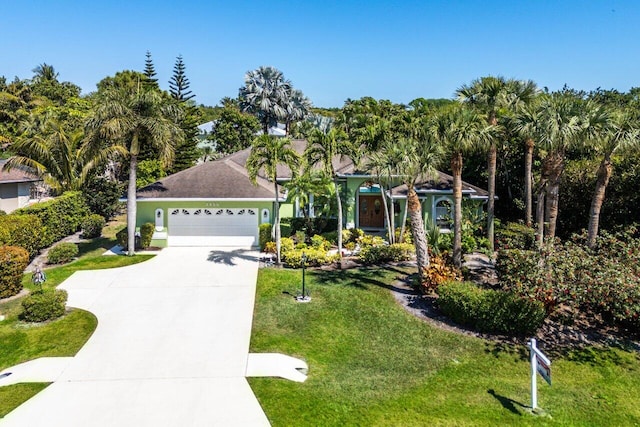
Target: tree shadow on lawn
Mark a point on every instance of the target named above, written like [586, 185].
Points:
[507, 403]
[230, 257]
[357, 278]
[87, 246]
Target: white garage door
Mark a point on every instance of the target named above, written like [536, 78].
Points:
[213, 227]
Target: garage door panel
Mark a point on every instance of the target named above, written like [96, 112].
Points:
[221, 226]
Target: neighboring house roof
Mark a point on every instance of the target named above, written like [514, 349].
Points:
[16, 175]
[207, 127]
[440, 183]
[218, 179]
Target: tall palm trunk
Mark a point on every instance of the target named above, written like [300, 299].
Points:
[604, 174]
[276, 224]
[491, 188]
[404, 220]
[131, 206]
[417, 230]
[387, 213]
[456, 169]
[556, 166]
[529, 145]
[339, 200]
[392, 219]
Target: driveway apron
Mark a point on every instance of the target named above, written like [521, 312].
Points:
[170, 348]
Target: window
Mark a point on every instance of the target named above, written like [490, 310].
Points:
[444, 213]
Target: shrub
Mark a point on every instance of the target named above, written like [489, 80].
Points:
[319, 242]
[123, 238]
[487, 310]
[604, 281]
[24, 231]
[309, 226]
[264, 235]
[386, 253]
[315, 257]
[300, 237]
[146, 233]
[331, 236]
[369, 240]
[438, 272]
[13, 261]
[44, 305]
[406, 238]
[515, 236]
[352, 235]
[60, 217]
[270, 248]
[286, 244]
[62, 253]
[92, 226]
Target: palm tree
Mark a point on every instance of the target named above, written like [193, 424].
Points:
[265, 94]
[267, 153]
[45, 72]
[419, 158]
[492, 96]
[615, 132]
[131, 120]
[460, 131]
[298, 107]
[322, 150]
[61, 157]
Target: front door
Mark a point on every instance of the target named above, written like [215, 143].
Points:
[371, 212]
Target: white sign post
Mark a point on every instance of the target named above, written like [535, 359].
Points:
[539, 364]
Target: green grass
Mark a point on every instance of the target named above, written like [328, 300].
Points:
[372, 363]
[20, 342]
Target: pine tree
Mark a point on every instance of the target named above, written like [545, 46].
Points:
[186, 150]
[150, 72]
[179, 83]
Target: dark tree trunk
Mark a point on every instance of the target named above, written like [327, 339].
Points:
[529, 145]
[276, 221]
[604, 174]
[491, 188]
[555, 168]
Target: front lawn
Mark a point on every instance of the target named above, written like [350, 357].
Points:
[373, 363]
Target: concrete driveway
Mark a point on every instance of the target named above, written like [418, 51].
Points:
[170, 349]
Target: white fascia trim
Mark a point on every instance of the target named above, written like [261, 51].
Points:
[187, 199]
[342, 175]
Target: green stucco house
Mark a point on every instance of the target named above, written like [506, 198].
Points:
[215, 203]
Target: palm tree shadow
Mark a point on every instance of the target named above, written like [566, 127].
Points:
[509, 404]
[230, 257]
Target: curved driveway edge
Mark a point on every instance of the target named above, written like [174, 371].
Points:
[170, 349]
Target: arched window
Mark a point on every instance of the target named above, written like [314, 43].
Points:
[444, 213]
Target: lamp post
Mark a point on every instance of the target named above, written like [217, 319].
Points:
[304, 297]
[38, 278]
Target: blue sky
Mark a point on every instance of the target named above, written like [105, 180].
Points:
[331, 50]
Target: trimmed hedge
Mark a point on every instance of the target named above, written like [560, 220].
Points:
[515, 236]
[60, 217]
[487, 310]
[310, 226]
[62, 253]
[44, 305]
[386, 253]
[146, 233]
[315, 257]
[24, 231]
[264, 235]
[13, 261]
[92, 226]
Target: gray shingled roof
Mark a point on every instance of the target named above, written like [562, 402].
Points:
[441, 182]
[16, 175]
[219, 179]
[227, 178]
